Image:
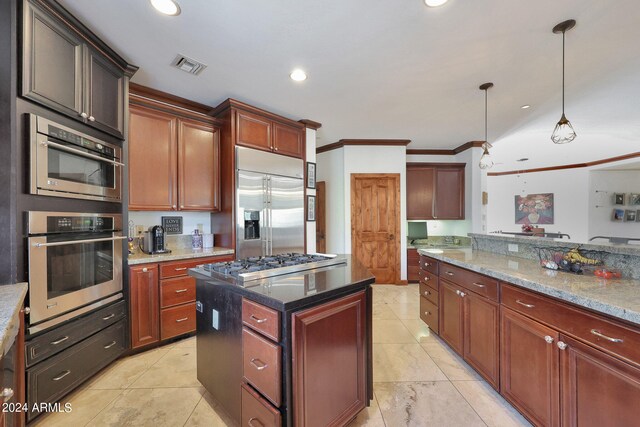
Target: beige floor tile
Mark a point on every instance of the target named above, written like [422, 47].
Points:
[403, 362]
[450, 363]
[85, 405]
[422, 404]
[177, 368]
[406, 310]
[158, 407]
[369, 417]
[209, 414]
[391, 332]
[125, 371]
[186, 343]
[419, 330]
[492, 408]
[383, 311]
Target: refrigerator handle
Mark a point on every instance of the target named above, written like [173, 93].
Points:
[270, 212]
[264, 223]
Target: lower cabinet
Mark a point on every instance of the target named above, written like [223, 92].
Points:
[451, 312]
[413, 265]
[144, 300]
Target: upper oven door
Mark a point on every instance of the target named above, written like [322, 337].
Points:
[57, 166]
[68, 271]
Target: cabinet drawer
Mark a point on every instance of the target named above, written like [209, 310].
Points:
[608, 335]
[428, 279]
[52, 379]
[429, 314]
[179, 268]
[429, 264]
[177, 320]
[261, 364]
[263, 319]
[53, 342]
[179, 290]
[482, 285]
[429, 293]
[256, 411]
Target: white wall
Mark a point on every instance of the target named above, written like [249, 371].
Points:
[330, 169]
[311, 157]
[601, 206]
[190, 220]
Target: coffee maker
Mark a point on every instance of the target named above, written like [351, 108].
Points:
[154, 241]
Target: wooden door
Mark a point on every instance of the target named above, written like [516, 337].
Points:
[330, 386]
[597, 389]
[529, 363]
[52, 62]
[152, 160]
[420, 187]
[288, 140]
[198, 166]
[145, 305]
[321, 217]
[104, 95]
[253, 131]
[451, 316]
[449, 193]
[375, 224]
[481, 337]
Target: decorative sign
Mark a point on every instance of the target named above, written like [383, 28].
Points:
[172, 224]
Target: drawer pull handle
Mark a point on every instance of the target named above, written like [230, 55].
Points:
[251, 424]
[182, 320]
[480, 285]
[61, 375]
[255, 319]
[58, 341]
[180, 291]
[426, 293]
[111, 344]
[181, 268]
[259, 367]
[448, 273]
[524, 304]
[111, 316]
[548, 339]
[601, 335]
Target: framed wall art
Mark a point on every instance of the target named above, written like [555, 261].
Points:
[311, 208]
[311, 175]
[534, 209]
[618, 215]
[619, 199]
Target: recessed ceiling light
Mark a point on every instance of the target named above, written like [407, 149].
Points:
[525, 106]
[298, 75]
[435, 3]
[167, 7]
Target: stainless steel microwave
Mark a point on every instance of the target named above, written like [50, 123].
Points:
[68, 163]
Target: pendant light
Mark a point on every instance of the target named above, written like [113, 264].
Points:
[485, 161]
[563, 132]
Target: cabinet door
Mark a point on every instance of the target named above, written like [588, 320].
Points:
[288, 140]
[451, 316]
[253, 131]
[152, 160]
[198, 166]
[145, 305]
[104, 95]
[481, 338]
[597, 389]
[330, 362]
[52, 62]
[413, 265]
[529, 375]
[420, 186]
[449, 193]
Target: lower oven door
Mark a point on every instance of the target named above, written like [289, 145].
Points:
[69, 271]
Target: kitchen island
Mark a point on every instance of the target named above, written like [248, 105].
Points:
[292, 349]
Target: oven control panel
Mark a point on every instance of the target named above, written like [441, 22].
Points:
[65, 224]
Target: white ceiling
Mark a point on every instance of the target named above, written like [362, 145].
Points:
[397, 69]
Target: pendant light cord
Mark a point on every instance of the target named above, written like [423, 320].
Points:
[563, 32]
[485, 117]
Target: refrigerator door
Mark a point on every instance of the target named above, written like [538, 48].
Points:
[285, 214]
[252, 220]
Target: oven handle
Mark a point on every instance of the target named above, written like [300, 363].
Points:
[73, 242]
[80, 152]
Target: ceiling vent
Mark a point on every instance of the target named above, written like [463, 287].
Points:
[188, 65]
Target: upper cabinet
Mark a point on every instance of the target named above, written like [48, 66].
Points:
[435, 191]
[64, 69]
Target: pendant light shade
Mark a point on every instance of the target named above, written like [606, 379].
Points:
[486, 162]
[563, 133]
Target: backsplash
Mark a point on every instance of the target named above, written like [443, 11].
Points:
[190, 220]
[440, 240]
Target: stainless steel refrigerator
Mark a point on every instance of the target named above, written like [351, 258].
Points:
[269, 203]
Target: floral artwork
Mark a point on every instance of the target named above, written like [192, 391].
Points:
[534, 209]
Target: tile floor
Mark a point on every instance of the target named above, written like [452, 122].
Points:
[418, 381]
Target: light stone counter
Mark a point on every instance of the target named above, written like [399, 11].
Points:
[616, 297]
[178, 254]
[11, 299]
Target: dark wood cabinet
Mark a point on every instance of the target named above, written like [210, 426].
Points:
[145, 305]
[104, 94]
[413, 265]
[481, 336]
[329, 386]
[435, 191]
[451, 316]
[288, 140]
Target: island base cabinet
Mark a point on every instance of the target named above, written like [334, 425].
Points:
[329, 362]
[451, 312]
[597, 389]
[481, 337]
[530, 368]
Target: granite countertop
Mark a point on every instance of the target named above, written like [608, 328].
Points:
[617, 297]
[296, 290]
[11, 299]
[178, 254]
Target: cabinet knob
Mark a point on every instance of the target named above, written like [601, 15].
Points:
[144, 270]
[548, 339]
[562, 345]
[92, 119]
[7, 393]
[174, 206]
[426, 293]
[462, 294]
[84, 115]
[427, 313]
[276, 148]
[181, 206]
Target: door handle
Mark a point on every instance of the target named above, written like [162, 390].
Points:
[260, 366]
